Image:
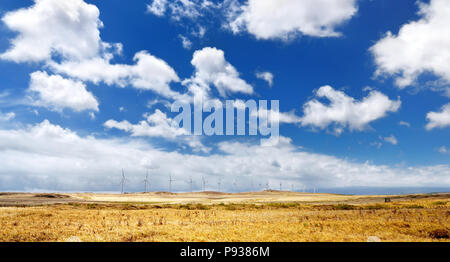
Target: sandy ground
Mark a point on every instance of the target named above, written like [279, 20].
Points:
[32, 199]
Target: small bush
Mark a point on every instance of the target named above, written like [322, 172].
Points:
[202, 207]
[376, 207]
[191, 207]
[343, 207]
[92, 206]
[231, 207]
[439, 234]
[283, 205]
[414, 206]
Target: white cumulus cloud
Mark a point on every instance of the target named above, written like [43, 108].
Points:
[419, 47]
[159, 125]
[439, 119]
[148, 73]
[69, 28]
[211, 68]
[156, 125]
[344, 111]
[267, 19]
[266, 76]
[56, 93]
[157, 7]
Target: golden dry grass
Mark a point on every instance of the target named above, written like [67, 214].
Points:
[413, 220]
[214, 197]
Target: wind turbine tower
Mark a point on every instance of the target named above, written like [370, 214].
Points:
[190, 183]
[146, 182]
[204, 183]
[122, 182]
[170, 183]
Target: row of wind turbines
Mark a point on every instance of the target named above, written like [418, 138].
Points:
[204, 184]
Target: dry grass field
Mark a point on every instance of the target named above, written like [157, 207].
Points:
[211, 216]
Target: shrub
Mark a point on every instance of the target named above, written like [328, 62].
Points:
[343, 207]
[376, 207]
[414, 206]
[439, 234]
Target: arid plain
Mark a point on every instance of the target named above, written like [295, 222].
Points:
[214, 216]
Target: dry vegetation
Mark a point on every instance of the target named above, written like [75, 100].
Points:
[421, 219]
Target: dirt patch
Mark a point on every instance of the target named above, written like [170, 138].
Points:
[7, 194]
[28, 199]
[213, 193]
[51, 196]
[164, 193]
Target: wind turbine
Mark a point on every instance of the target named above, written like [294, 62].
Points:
[170, 183]
[191, 182]
[218, 183]
[204, 183]
[146, 181]
[123, 181]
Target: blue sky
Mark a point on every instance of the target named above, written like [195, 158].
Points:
[54, 96]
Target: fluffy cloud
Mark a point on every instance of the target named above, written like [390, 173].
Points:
[55, 158]
[160, 126]
[56, 93]
[195, 16]
[179, 9]
[404, 123]
[444, 150]
[266, 76]
[281, 117]
[344, 111]
[419, 47]
[439, 119]
[158, 7]
[390, 139]
[267, 19]
[187, 44]
[69, 28]
[7, 116]
[148, 73]
[268, 114]
[211, 68]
